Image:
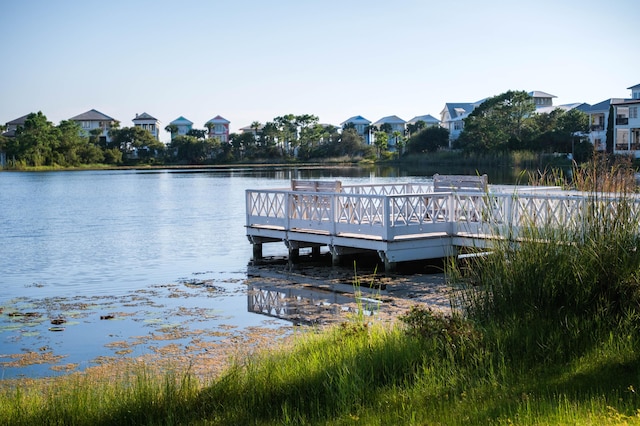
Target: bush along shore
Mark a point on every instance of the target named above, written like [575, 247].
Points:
[545, 332]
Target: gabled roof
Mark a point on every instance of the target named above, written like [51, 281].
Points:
[218, 119]
[391, 119]
[181, 121]
[426, 118]
[144, 116]
[18, 121]
[455, 109]
[356, 119]
[634, 87]
[92, 115]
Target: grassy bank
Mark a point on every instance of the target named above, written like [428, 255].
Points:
[546, 333]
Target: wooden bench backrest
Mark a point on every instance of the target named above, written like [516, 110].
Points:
[443, 183]
[316, 185]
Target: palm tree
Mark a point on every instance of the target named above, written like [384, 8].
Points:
[171, 128]
[255, 126]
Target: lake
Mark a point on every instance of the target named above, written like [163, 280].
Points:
[122, 257]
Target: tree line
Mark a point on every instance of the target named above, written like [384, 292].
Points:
[501, 123]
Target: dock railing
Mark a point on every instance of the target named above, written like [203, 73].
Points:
[390, 212]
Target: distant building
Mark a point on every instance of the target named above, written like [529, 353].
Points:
[396, 124]
[218, 128]
[362, 126]
[626, 132]
[452, 117]
[148, 123]
[183, 126]
[92, 120]
[428, 119]
[13, 125]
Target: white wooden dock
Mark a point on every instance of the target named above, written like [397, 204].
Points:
[407, 221]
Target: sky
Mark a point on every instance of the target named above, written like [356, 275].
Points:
[252, 60]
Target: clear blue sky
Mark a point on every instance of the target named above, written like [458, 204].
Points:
[254, 60]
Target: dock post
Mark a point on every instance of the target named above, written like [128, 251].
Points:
[315, 252]
[389, 266]
[335, 256]
[294, 255]
[257, 251]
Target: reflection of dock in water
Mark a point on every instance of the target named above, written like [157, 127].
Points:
[305, 305]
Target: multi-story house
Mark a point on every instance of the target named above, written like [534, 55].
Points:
[218, 128]
[182, 127]
[598, 118]
[393, 124]
[95, 120]
[452, 117]
[362, 126]
[148, 123]
[626, 132]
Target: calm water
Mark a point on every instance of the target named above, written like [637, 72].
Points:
[81, 245]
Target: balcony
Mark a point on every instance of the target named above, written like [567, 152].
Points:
[622, 121]
[597, 128]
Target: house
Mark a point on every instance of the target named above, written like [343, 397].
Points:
[182, 127]
[428, 119]
[452, 117]
[95, 120]
[218, 128]
[254, 130]
[543, 101]
[626, 132]
[361, 125]
[13, 125]
[148, 123]
[598, 118]
[394, 124]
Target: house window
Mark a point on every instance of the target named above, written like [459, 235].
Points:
[633, 112]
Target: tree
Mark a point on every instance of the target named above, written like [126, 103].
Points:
[171, 129]
[497, 122]
[136, 139]
[398, 141]
[381, 142]
[198, 133]
[609, 134]
[255, 126]
[415, 127]
[429, 139]
[35, 142]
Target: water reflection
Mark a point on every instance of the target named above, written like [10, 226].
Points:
[305, 304]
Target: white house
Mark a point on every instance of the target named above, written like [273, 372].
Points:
[452, 117]
[626, 134]
[148, 123]
[183, 126]
[92, 120]
[362, 126]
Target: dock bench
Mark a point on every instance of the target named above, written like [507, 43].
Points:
[462, 183]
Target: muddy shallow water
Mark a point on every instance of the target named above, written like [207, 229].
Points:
[189, 323]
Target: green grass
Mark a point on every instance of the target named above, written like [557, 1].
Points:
[547, 333]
